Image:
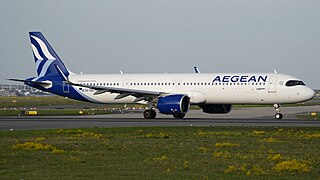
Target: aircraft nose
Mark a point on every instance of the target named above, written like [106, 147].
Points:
[309, 93]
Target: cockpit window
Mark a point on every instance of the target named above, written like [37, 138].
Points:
[294, 83]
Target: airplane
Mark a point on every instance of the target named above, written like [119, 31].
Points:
[170, 94]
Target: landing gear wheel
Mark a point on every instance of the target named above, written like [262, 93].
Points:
[149, 114]
[178, 116]
[278, 116]
[154, 114]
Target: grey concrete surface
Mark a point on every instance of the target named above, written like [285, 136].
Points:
[237, 117]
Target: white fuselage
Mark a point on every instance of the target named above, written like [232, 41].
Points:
[254, 88]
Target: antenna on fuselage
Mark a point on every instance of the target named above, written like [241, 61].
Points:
[275, 71]
[196, 70]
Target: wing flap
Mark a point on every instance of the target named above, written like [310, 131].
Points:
[123, 92]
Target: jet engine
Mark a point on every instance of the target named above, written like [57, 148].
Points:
[174, 104]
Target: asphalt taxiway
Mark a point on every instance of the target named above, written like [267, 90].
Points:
[237, 117]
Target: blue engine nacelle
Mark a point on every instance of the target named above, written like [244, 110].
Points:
[174, 104]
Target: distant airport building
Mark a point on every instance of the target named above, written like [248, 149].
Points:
[20, 90]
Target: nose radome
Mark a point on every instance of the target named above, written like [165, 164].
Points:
[310, 93]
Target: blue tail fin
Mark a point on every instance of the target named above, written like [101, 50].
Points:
[47, 61]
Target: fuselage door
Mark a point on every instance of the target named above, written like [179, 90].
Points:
[272, 88]
[65, 87]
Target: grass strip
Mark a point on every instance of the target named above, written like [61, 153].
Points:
[161, 153]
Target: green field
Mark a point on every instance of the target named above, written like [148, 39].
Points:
[48, 102]
[32, 101]
[54, 112]
[161, 153]
[51, 106]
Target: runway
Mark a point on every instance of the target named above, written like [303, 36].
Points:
[238, 117]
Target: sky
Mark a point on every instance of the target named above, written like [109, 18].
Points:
[157, 36]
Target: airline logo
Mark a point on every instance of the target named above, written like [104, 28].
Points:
[243, 79]
[41, 53]
[40, 50]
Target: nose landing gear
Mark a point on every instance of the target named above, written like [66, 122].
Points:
[278, 114]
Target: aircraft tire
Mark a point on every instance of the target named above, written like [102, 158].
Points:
[278, 116]
[149, 114]
[178, 116]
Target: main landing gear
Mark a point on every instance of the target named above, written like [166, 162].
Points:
[278, 114]
[149, 114]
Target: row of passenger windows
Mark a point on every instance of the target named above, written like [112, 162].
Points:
[169, 84]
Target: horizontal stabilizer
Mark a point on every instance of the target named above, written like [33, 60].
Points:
[45, 84]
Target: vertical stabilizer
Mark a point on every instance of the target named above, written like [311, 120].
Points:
[46, 59]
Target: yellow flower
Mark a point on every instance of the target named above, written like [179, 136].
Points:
[162, 135]
[149, 135]
[309, 136]
[161, 158]
[227, 144]
[40, 139]
[276, 157]
[257, 170]
[186, 165]
[230, 169]
[37, 147]
[269, 140]
[57, 151]
[258, 132]
[221, 154]
[204, 149]
[292, 166]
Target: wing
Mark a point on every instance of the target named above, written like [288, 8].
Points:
[123, 92]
